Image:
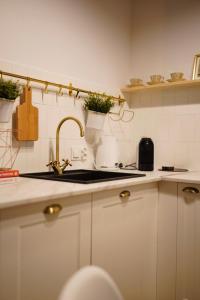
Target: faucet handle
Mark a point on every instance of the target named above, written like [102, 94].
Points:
[49, 164]
[54, 163]
[55, 166]
[67, 162]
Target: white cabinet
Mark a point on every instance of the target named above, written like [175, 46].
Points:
[167, 241]
[150, 245]
[124, 238]
[188, 242]
[178, 274]
[38, 253]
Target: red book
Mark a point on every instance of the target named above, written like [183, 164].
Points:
[9, 173]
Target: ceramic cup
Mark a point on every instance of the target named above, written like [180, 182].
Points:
[176, 76]
[156, 78]
[136, 81]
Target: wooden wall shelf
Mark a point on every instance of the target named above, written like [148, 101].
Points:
[183, 83]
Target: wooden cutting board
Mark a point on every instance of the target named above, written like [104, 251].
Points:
[26, 118]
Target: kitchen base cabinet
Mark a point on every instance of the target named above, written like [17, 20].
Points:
[39, 252]
[149, 244]
[124, 238]
[167, 241]
[178, 265]
[188, 242]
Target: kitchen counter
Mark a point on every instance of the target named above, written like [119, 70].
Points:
[187, 177]
[19, 191]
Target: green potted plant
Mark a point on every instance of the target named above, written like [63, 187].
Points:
[9, 91]
[97, 107]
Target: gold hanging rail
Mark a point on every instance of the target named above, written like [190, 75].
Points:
[69, 87]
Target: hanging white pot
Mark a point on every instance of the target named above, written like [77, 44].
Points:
[95, 119]
[6, 108]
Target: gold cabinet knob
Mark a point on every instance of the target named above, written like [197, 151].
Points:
[125, 194]
[52, 209]
[190, 190]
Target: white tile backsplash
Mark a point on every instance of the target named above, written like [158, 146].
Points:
[172, 119]
[186, 128]
[162, 131]
[193, 155]
[164, 154]
[197, 127]
[37, 96]
[33, 156]
[43, 121]
[49, 98]
[181, 155]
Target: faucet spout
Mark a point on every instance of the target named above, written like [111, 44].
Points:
[58, 133]
[56, 165]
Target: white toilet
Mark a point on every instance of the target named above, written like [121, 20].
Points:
[90, 283]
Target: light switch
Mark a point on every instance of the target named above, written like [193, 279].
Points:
[84, 153]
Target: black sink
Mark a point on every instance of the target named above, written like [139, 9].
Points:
[82, 176]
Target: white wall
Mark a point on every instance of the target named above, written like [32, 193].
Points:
[86, 42]
[164, 40]
[164, 37]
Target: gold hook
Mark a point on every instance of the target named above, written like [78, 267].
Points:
[46, 88]
[119, 102]
[28, 81]
[60, 93]
[70, 89]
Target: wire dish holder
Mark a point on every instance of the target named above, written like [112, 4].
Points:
[120, 116]
[8, 150]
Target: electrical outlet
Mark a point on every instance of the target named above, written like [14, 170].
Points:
[78, 153]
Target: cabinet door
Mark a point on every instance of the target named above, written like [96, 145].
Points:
[38, 253]
[188, 252]
[167, 241]
[124, 239]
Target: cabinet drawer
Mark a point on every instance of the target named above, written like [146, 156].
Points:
[39, 210]
[125, 194]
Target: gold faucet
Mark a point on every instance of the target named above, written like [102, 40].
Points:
[56, 165]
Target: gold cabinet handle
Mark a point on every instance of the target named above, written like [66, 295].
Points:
[190, 190]
[124, 194]
[52, 209]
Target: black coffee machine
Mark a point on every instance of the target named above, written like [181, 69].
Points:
[146, 154]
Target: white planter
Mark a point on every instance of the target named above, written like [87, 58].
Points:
[95, 120]
[6, 108]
